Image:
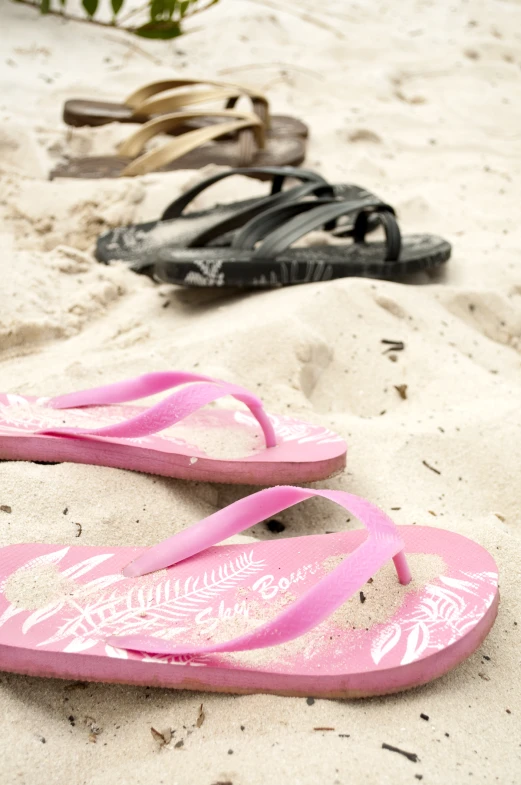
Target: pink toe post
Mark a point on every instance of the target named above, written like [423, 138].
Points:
[98, 426]
[262, 616]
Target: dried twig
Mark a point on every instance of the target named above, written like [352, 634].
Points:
[409, 755]
[201, 717]
[163, 738]
[394, 346]
[324, 728]
[436, 471]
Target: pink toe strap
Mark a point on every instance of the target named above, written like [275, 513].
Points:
[383, 543]
[167, 412]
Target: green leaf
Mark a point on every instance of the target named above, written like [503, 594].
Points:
[171, 6]
[63, 3]
[164, 30]
[183, 7]
[45, 6]
[157, 10]
[91, 6]
[116, 5]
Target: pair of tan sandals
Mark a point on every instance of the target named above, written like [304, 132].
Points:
[226, 137]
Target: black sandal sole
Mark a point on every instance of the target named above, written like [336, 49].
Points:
[212, 267]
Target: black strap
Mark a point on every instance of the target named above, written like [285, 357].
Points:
[352, 193]
[237, 219]
[282, 226]
[270, 220]
[278, 174]
[275, 217]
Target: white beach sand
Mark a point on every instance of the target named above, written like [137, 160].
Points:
[418, 101]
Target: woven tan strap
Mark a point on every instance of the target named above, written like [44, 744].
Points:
[146, 101]
[233, 122]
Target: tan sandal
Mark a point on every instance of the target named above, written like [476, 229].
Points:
[192, 149]
[172, 95]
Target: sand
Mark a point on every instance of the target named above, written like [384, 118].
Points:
[419, 102]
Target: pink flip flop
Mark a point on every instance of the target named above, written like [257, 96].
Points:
[262, 617]
[173, 437]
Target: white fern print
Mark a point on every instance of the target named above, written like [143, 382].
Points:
[166, 606]
[385, 642]
[289, 274]
[19, 412]
[315, 271]
[30, 415]
[210, 274]
[417, 641]
[120, 654]
[442, 617]
[77, 570]
[54, 557]
[156, 609]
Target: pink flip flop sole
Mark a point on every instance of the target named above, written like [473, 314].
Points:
[390, 638]
[304, 452]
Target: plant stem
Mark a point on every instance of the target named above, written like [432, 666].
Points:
[85, 20]
[138, 10]
[113, 24]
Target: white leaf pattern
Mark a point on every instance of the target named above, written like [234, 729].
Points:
[289, 273]
[77, 570]
[17, 400]
[39, 561]
[41, 615]
[456, 583]
[147, 610]
[80, 644]
[30, 415]
[165, 606]
[417, 642]
[443, 616]
[210, 274]
[120, 654]
[385, 642]
[9, 612]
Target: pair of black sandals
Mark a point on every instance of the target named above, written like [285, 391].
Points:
[250, 243]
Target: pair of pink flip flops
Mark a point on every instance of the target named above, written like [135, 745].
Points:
[324, 615]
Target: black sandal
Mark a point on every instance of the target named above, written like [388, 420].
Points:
[140, 244]
[260, 255]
